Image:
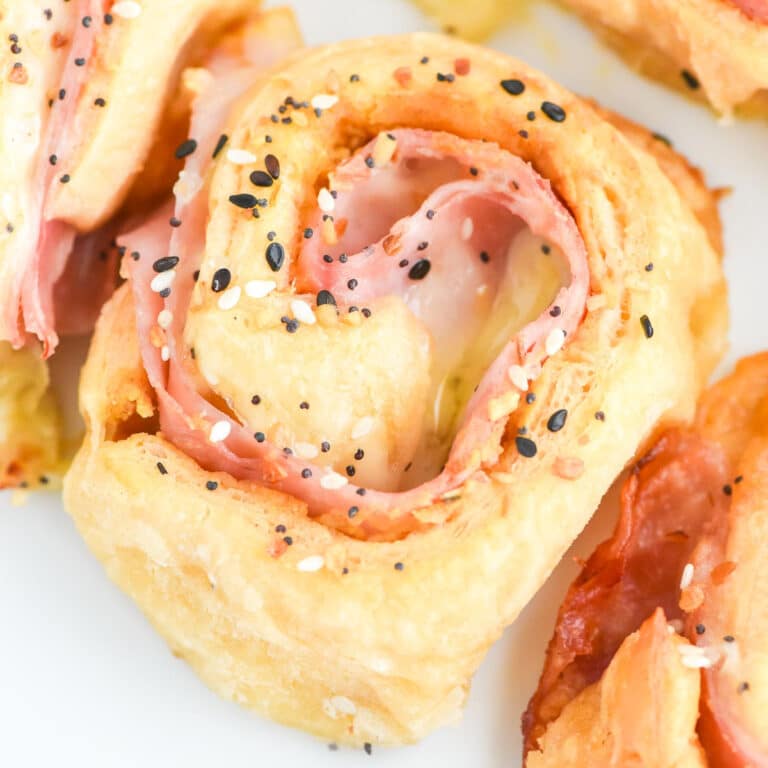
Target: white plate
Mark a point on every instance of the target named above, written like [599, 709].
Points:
[84, 680]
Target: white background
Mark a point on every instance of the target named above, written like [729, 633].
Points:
[85, 682]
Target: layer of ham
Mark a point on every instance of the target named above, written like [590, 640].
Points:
[757, 10]
[505, 184]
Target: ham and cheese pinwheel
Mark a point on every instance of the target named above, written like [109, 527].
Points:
[421, 307]
[93, 101]
[718, 48]
[689, 545]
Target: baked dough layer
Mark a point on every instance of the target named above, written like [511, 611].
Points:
[380, 643]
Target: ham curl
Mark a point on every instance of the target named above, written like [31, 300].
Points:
[507, 191]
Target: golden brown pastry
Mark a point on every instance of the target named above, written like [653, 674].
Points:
[90, 93]
[423, 306]
[690, 542]
[716, 47]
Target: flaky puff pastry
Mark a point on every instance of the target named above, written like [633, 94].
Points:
[715, 47]
[214, 481]
[690, 543]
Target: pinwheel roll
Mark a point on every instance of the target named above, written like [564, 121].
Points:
[718, 48]
[422, 307]
[689, 542]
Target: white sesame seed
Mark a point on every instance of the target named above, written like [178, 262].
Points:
[229, 298]
[126, 9]
[467, 228]
[240, 156]
[303, 312]
[324, 101]
[311, 564]
[165, 353]
[325, 200]
[305, 450]
[341, 704]
[164, 318]
[555, 341]
[517, 376]
[163, 280]
[687, 577]
[220, 431]
[362, 427]
[333, 481]
[696, 662]
[258, 289]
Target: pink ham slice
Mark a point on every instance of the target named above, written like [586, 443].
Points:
[31, 309]
[504, 183]
[757, 10]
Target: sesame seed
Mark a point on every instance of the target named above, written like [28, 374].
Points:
[303, 312]
[211, 485]
[526, 447]
[100, 102]
[275, 255]
[126, 9]
[518, 377]
[420, 269]
[272, 164]
[325, 200]
[165, 353]
[362, 427]
[228, 299]
[647, 327]
[530, 116]
[333, 481]
[261, 179]
[220, 431]
[325, 446]
[325, 297]
[467, 228]
[687, 576]
[259, 437]
[523, 134]
[87, 21]
[554, 341]
[557, 420]
[553, 111]
[161, 468]
[306, 473]
[359, 454]
[223, 139]
[690, 79]
[306, 450]
[700, 629]
[368, 748]
[185, 149]
[174, 222]
[324, 101]
[599, 415]
[65, 178]
[221, 279]
[163, 281]
[727, 490]
[165, 263]
[53, 159]
[164, 318]
[513, 86]
[240, 156]
[311, 564]
[258, 289]
[243, 200]
[79, 62]
[649, 267]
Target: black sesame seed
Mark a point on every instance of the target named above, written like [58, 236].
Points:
[327, 258]
[243, 200]
[557, 420]
[165, 293]
[399, 566]
[700, 629]
[100, 102]
[350, 470]
[292, 326]
[325, 297]
[738, 479]
[366, 312]
[743, 687]
[403, 263]
[546, 249]
[62, 94]
[87, 21]
[424, 60]
[174, 222]
[185, 149]
[530, 116]
[368, 748]
[523, 134]
[325, 446]
[304, 405]
[430, 214]
[53, 159]
[306, 473]
[287, 451]
[690, 79]
[555, 311]
[727, 490]
[352, 511]
[260, 437]
[161, 468]
[288, 540]
[48, 13]
[275, 255]
[420, 269]
[513, 86]
[211, 485]
[526, 447]
[600, 416]
[484, 257]
[79, 62]
[647, 327]
[649, 267]
[261, 179]
[166, 263]
[553, 111]
[445, 78]
[196, 275]
[422, 245]
[359, 454]
[108, 18]
[369, 161]
[308, 232]
[221, 279]
[729, 639]
[65, 178]
[220, 144]
[662, 138]
[352, 284]
[280, 528]
[343, 258]
[360, 491]
[271, 236]
[354, 78]
[530, 398]
[272, 165]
